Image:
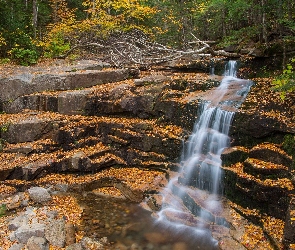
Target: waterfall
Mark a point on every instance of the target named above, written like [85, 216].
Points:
[200, 159]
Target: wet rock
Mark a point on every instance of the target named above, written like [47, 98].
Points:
[135, 246]
[155, 202]
[37, 243]
[39, 194]
[121, 246]
[55, 233]
[272, 155]
[25, 232]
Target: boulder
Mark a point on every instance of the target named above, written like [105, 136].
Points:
[25, 232]
[70, 234]
[55, 233]
[17, 222]
[37, 243]
[39, 194]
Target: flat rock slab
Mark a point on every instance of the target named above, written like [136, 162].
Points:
[28, 129]
[28, 83]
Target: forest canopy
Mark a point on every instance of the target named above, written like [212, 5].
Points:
[30, 29]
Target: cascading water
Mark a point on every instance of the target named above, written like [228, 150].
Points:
[201, 163]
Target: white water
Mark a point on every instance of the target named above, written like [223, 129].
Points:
[201, 163]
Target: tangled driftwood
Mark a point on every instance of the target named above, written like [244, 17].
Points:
[135, 47]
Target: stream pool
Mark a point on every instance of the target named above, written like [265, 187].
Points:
[128, 226]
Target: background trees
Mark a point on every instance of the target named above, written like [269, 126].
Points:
[33, 28]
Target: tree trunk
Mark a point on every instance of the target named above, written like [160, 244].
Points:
[35, 17]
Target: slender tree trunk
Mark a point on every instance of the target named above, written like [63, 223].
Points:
[35, 17]
[263, 19]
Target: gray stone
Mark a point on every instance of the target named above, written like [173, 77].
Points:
[39, 194]
[80, 161]
[29, 129]
[37, 243]
[88, 243]
[62, 187]
[55, 233]
[14, 203]
[76, 246]
[52, 214]
[28, 83]
[25, 232]
[18, 222]
[119, 91]
[16, 246]
[73, 102]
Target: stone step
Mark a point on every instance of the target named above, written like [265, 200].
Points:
[265, 170]
[36, 165]
[28, 83]
[51, 137]
[144, 135]
[270, 195]
[270, 152]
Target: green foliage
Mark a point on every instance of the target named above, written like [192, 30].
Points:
[3, 210]
[4, 61]
[56, 46]
[24, 57]
[243, 35]
[285, 82]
